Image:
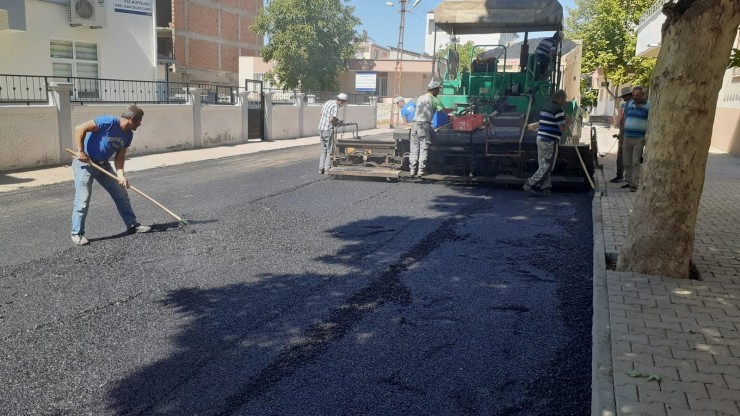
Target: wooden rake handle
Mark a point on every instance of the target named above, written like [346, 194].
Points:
[133, 188]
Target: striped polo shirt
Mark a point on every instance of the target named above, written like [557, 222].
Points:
[636, 118]
[545, 45]
[328, 111]
[551, 118]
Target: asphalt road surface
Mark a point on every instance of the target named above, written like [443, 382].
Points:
[297, 295]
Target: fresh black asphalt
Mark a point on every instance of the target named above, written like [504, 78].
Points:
[297, 295]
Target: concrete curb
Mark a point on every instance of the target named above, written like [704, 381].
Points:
[603, 402]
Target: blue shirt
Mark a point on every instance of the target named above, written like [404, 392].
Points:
[408, 110]
[635, 119]
[552, 117]
[102, 144]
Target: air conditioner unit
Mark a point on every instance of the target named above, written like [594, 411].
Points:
[91, 13]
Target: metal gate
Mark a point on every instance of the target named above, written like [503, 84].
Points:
[256, 108]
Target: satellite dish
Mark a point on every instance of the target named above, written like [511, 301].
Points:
[415, 3]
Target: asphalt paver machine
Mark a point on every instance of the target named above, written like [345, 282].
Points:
[492, 137]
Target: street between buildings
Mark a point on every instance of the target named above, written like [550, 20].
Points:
[298, 294]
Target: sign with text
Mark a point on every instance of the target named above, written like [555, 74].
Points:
[140, 7]
[365, 81]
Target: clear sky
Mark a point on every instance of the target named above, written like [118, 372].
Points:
[382, 21]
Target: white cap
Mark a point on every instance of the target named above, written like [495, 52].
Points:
[342, 96]
[434, 84]
[398, 100]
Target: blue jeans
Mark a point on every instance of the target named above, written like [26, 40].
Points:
[84, 176]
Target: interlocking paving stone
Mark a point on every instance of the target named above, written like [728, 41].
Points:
[687, 332]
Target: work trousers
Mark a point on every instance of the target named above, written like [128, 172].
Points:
[421, 138]
[633, 148]
[327, 145]
[547, 154]
[84, 177]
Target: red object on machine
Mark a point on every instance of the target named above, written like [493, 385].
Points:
[468, 122]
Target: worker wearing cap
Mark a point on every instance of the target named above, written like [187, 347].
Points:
[327, 122]
[626, 97]
[421, 130]
[407, 109]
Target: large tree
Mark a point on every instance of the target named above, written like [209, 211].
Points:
[309, 41]
[696, 44]
[607, 28]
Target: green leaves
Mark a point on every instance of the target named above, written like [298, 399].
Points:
[734, 59]
[608, 30]
[650, 377]
[464, 54]
[309, 41]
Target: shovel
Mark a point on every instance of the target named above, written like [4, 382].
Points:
[181, 223]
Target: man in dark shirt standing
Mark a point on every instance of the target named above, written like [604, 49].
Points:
[553, 124]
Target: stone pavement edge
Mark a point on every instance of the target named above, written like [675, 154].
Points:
[665, 346]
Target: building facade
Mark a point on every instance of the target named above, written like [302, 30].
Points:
[78, 38]
[726, 131]
[201, 40]
[196, 41]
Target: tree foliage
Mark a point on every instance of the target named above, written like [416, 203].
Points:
[463, 52]
[309, 41]
[608, 30]
[734, 59]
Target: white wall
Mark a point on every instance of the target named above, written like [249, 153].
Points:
[649, 35]
[126, 45]
[28, 137]
[221, 124]
[166, 127]
[285, 122]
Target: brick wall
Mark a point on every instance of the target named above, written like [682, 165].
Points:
[211, 35]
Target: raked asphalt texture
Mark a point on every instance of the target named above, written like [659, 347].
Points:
[685, 332]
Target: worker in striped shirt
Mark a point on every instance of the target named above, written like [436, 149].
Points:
[634, 120]
[553, 124]
[546, 51]
[327, 122]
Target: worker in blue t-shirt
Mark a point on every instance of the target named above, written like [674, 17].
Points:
[408, 109]
[97, 141]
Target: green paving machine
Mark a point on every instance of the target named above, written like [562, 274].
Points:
[496, 103]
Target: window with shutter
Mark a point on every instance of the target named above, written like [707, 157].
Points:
[76, 62]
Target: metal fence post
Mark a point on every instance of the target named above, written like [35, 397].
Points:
[244, 102]
[59, 93]
[194, 98]
[268, 116]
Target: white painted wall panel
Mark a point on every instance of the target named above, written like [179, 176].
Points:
[221, 124]
[29, 137]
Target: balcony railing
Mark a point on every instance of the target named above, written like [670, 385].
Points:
[657, 7]
[23, 89]
[29, 89]
[314, 97]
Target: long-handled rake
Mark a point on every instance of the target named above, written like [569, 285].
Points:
[181, 223]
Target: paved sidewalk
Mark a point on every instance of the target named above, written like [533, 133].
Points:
[685, 332]
[10, 181]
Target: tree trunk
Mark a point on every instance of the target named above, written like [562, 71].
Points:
[697, 40]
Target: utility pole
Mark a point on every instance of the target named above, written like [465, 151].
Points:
[399, 65]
